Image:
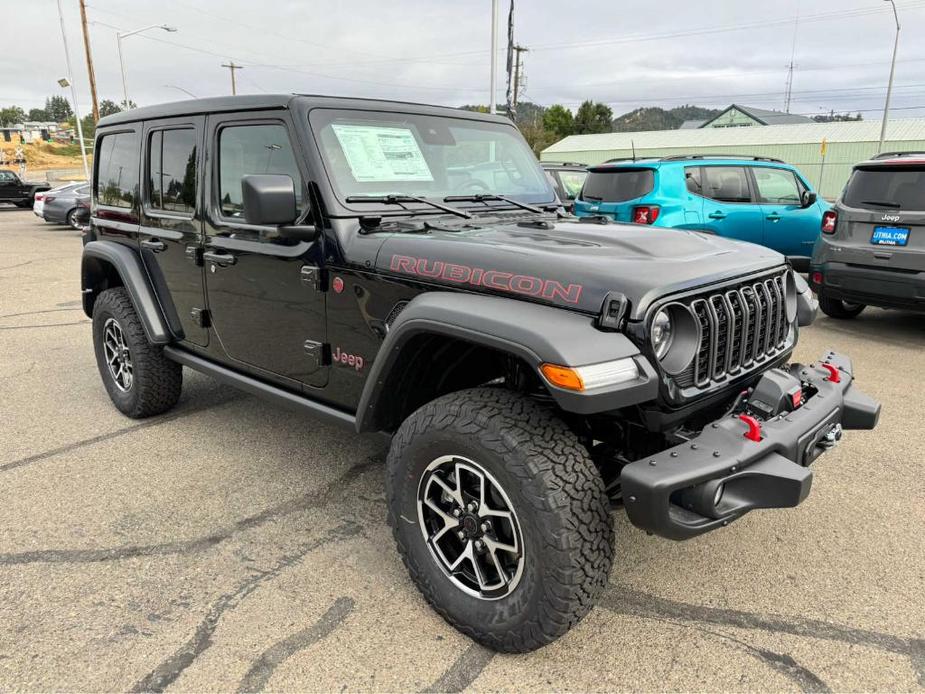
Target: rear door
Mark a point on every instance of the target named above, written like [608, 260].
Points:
[882, 217]
[170, 236]
[9, 186]
[789, 228]
[729, 207]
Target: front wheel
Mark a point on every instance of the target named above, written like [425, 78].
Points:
[72, 219]
[836, 308]
[500, 517]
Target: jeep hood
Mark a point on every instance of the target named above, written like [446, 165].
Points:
[573, 264]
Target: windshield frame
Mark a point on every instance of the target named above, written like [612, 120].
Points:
[548, 197]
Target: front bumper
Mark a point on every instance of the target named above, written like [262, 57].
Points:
[673, 493]
[872, 286]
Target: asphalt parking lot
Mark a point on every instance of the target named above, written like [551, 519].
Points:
[230, 545]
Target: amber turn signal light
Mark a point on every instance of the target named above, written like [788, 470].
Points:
[562, 376]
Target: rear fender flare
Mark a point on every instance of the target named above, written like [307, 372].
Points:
[127, 264]
[531, 332]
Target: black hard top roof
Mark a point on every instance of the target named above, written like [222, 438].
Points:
[224, 104]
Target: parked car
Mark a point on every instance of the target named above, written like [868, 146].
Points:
[531, 370]
[756, 199]
[872, 248]
[15, 190]
[63, 206]
[38, 205]
[567, 178]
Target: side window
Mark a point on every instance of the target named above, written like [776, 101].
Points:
[172, 170]
[692, 177]
[117, 176]
[726, 183]
[6, 177]
[777, 186]
[252, 149]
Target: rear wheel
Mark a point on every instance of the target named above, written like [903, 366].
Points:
[836, 308]
[72, 219]
[140, 380]
[500, 517]
[24, 203]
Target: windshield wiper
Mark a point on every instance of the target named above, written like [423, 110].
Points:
[401, 199]
[881, 203]
[483, 197]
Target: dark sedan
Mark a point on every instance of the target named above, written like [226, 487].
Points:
[64, 207]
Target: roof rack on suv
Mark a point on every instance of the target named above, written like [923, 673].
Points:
[897, 155]
[678, 157]
[562, 163]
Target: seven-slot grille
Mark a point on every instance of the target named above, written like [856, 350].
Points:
[740, 328]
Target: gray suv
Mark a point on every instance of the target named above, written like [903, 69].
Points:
[872, 248]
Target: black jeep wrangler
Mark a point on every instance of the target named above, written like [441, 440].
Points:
[406, 269]
[18, 192]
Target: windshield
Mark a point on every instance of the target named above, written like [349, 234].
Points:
[902, 188]
[370, 153]
[617, 185]
[572, 181]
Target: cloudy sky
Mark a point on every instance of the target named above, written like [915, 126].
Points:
[628, 53]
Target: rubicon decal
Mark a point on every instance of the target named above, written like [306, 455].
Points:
[492, 279]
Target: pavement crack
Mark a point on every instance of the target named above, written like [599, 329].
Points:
[153, 422]
[44, 325]
[645, 606]
[464, 671]
[35, 313]
[199, 544]
[167, 672]
[263, 668]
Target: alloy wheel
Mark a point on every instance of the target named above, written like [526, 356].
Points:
[470, 527]
[118, 357]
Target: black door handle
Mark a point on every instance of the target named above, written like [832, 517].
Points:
[220, 259]
[154, 245]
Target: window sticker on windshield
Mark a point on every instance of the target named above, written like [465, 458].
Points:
[379, 154]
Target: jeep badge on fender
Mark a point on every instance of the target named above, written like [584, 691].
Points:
[408, 269]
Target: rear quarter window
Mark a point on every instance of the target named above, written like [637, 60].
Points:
[883, 188]
[618, 185]
[117, 172]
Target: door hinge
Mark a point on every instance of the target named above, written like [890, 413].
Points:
[313, 277]
[201, 317]
[194, 253]
[316, 353]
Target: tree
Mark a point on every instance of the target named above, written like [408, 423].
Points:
[58, 108]
[537, 137]
[593, 117]
[109, 107]
[37, 114]
[12, 115]
[558, 120]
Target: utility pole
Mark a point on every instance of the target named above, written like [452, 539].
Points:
[90, 72]
[518, 67]
[494, 56]
[231, 66]
[889, 86]
[793, 50]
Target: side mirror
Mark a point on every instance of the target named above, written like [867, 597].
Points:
[809, 198]
[269, 199]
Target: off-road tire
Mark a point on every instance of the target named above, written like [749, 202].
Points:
[156, 382]
[555, 490]
[836, 308]
[71, 219]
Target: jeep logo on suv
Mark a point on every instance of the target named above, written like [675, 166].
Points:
[890, 218]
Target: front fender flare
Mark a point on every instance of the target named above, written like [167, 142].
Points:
[532, 332]
[128, 265]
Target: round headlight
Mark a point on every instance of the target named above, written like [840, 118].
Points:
[662, 334]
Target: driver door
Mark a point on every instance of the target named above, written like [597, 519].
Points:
[266, 305]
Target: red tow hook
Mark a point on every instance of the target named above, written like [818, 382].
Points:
[754, 428]
[834, 375]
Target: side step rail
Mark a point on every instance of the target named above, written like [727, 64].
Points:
[259, 388]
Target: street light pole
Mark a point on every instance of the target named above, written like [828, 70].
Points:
[126, 34]
[69, 82]
[889, 86]
[494, 55]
